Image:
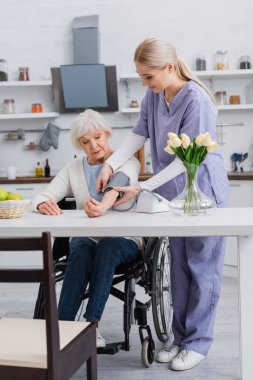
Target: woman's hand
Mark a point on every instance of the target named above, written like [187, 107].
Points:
[94, 208]
[49, 207]
[129, 193]
[104, 177]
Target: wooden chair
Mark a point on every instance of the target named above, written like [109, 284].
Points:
[42, 349]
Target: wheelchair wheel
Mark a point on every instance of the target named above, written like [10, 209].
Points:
[161, 290]
[147, 352]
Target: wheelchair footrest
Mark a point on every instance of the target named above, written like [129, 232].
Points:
[111, 348]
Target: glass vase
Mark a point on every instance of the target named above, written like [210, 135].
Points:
[191, 201]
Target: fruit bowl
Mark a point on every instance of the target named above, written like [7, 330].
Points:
[13, 208]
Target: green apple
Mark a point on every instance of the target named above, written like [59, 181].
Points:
[3, 194]
[14, 197]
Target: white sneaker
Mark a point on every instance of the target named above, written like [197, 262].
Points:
[166, 355]
[186, 359]
[99, 339]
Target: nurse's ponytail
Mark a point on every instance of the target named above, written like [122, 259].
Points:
[184, 72]
[157, 53]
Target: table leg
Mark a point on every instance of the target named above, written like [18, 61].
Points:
[245, 264]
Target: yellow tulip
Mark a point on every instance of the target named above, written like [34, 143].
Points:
[206, 139]
[199, 139]
[176, 142]
[185, 140]
[172, 135]
[168, 150]
[212, 146]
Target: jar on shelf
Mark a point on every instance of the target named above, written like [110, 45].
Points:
[221, 98]
[134, 104]
[9, 106]
[235, 99]
[3, 70]
[245, 62]
[221, 62]
[201, 63]
[23, 73]
[36, 107]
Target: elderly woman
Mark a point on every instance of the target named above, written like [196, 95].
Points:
[90, 260]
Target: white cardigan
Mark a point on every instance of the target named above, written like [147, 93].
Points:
[71, 179]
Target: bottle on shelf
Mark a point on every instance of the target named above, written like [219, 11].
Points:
[148, 167]
[47, 169]
[38, 170]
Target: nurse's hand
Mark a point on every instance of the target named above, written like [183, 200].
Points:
[104, 177]
[129, 193]
[49, 207]
[94, 208]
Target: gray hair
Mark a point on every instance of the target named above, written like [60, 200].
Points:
[87, 122]
[157, 53]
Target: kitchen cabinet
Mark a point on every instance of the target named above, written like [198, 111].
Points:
[210, 77]
[14, 259]
[40, 115]
[28, 191]
[241, 195]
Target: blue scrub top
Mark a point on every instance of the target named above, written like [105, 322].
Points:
[191, 111]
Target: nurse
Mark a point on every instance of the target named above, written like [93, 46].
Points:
[176, 101]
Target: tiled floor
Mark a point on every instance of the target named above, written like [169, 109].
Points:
[222, 362]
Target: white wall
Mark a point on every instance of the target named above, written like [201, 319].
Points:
[38, 34]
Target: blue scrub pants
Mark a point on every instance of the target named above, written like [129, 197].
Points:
[196, 275]
[93, 263]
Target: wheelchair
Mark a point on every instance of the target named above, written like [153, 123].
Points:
[152, 272]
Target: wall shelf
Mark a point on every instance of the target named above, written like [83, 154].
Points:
[209, 75]
[39, 115]
[129, 77]
[130, 110]
[224, 74]
[26, 83]
[203, 75]
[229, 107]
[35, 147]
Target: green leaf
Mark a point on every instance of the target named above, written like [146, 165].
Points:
[179, 152]
[188, 153]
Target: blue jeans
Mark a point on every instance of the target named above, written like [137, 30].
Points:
[93, 263]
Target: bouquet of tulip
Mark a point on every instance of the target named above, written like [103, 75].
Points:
[192, 154]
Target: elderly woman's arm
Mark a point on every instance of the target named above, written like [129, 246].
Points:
[93, 208]
[46, 201]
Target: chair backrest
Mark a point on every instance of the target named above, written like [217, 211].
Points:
[44, 276]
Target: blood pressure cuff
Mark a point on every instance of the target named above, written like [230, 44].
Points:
[119, 179]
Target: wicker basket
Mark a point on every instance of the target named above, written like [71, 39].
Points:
[13, 209]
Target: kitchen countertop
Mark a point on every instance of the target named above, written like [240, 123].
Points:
[242, 176]
[23, 180]
[239, 176]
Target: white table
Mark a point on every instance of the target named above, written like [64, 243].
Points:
[219, 222]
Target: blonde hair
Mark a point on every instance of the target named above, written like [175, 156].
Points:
[87, 122]
[157, 53]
